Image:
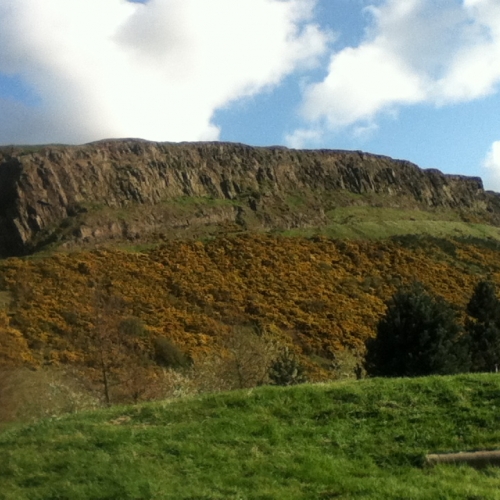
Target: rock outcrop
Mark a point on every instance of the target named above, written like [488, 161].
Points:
[130, 189]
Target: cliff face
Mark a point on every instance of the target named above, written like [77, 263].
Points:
[131, 188]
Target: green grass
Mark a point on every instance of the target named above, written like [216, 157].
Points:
[295, 201]
[189, 203]
[364, 222]
[349, 440]
[345, 217]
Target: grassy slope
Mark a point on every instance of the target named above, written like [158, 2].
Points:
[363, 440]
[346, 215]
[365, 222]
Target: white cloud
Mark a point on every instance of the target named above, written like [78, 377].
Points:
[474, 69]
[492, 167]
[493, 158]
[157, 70]
[359, 84]
[414, 51]
[365, 131]
[301, 138]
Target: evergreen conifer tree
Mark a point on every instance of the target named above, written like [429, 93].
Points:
[418, 335]
[287, 370]
[483, 328]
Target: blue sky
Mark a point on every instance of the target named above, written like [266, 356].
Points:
[413, 79]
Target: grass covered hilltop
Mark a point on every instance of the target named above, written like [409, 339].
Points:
[351, 440]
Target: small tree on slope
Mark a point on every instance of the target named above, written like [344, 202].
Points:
[419, 335]
[483, 328]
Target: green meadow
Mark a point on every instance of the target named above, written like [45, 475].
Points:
[343, 440]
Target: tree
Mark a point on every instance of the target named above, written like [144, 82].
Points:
[287, 370]
[419, 335]
[249, 356]
[244, 360]
[104, 352]
[114, 348]
[483, 328]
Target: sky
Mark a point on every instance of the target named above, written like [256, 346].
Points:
[412, 79]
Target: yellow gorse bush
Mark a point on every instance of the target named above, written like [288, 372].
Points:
[322, 295]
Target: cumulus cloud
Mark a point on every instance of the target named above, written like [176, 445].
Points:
[492, 167]
[156, 70]
[414, 51]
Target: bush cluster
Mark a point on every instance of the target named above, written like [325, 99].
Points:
[420, 334]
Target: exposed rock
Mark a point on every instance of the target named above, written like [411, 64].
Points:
[123, 189]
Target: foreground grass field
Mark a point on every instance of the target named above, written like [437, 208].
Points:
[359, 440]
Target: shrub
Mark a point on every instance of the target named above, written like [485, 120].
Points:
[418, 335]
[348, 363]
[243, 361]
[249, 356]
[168, 355]
[287, 370]
[132, 327]
[27, 394]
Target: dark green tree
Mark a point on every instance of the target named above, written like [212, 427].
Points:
[418, 335]
[287, 370]
[483, 328]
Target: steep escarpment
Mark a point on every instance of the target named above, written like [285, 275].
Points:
[135, 190]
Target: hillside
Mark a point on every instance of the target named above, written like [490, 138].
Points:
[319, 296]
[153, 256]
[139, 191]
[364, 440]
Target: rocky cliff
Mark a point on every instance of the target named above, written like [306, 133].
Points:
[134, 189]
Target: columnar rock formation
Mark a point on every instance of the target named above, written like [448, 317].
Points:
[44, 189]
